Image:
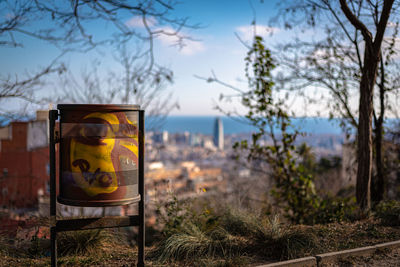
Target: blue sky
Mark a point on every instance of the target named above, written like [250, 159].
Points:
[217, 50]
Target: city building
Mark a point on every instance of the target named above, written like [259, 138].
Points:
[24, 162]
[160, 137]
[218, 134]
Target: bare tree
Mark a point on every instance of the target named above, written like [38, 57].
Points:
[333, 65]
[352, 48]
[14, 87]
[73, 26]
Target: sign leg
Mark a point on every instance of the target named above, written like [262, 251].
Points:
[141, 238]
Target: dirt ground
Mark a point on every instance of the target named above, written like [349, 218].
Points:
[328, 238]
[384, 257]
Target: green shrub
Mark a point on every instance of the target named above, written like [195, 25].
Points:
[172, 215]
[334, 209]
[175, 215]
[388, 212]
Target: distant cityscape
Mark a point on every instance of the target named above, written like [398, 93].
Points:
[186, 163]
[191, 163]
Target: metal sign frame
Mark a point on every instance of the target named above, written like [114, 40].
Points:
[57, 226]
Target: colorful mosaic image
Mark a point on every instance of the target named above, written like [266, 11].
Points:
[102, 150]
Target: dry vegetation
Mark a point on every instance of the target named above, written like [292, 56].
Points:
[227, 238]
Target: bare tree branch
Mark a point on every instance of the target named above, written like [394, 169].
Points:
[133, 84]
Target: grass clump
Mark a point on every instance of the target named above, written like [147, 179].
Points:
[294, 243]
[196, 244]
[81, 242]
[235, 238]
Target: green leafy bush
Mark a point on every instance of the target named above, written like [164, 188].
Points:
[334, 209]
[288, 166]
[175, 214]
[172, 215]
[291, 167]
[388, 212]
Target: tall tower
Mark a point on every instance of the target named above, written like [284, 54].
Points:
[219, 134]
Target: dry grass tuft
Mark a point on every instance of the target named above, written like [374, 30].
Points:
[237, 237]
[82, 242]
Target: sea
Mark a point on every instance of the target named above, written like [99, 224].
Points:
[236, 125]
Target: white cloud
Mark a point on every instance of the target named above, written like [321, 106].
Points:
[137, 22]
[168, 36]
[192, 47]
[247, 33]
[186, 46]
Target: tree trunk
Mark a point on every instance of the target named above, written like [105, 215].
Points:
[364, 141]
[378, 180]
[372, 57]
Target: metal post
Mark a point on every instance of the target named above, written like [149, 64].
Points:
[53, 115]
[141, 238]
[53, 239]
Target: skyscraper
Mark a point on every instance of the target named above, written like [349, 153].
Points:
[219, 133]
